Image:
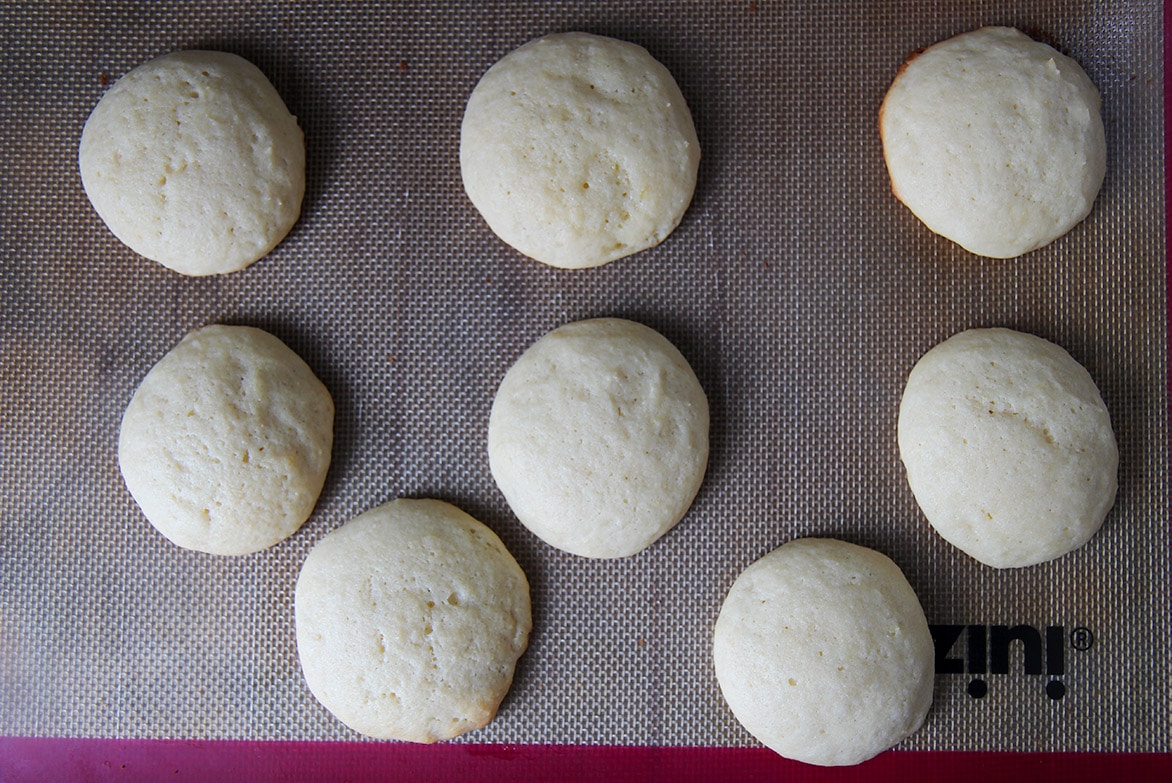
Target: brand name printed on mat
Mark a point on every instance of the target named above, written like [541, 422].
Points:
[984, 650]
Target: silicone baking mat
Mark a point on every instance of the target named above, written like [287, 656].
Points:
[798, 288]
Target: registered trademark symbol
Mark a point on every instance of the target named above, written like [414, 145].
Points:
[1081, 638]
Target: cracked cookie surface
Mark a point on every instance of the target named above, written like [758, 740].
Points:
[1008, 447]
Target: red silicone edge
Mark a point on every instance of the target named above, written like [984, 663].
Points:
[37, 759]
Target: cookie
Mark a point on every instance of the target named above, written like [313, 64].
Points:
[578, 150]
[598, 437]
[994, 141]
[1008, 447]
[410, 620]
[226, 443]
[823, 653]
[192, 160]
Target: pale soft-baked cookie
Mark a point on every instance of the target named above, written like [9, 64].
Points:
[1008, 447]
[578, 150]
[598, 437]
[192, 160]
[410, 620]
[994, 141]
[226, 443]
[823, 653]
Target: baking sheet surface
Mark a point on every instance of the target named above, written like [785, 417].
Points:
[798, 288]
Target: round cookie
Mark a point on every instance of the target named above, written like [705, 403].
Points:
[823, 653]
[226, 443]
[1008, 447]
[192, 160]
[578, 150]
[598, 437]
[994, 141]
[410, 620]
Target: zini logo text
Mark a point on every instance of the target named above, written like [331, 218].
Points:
[986, 651]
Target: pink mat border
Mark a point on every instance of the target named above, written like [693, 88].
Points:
[38, 759]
